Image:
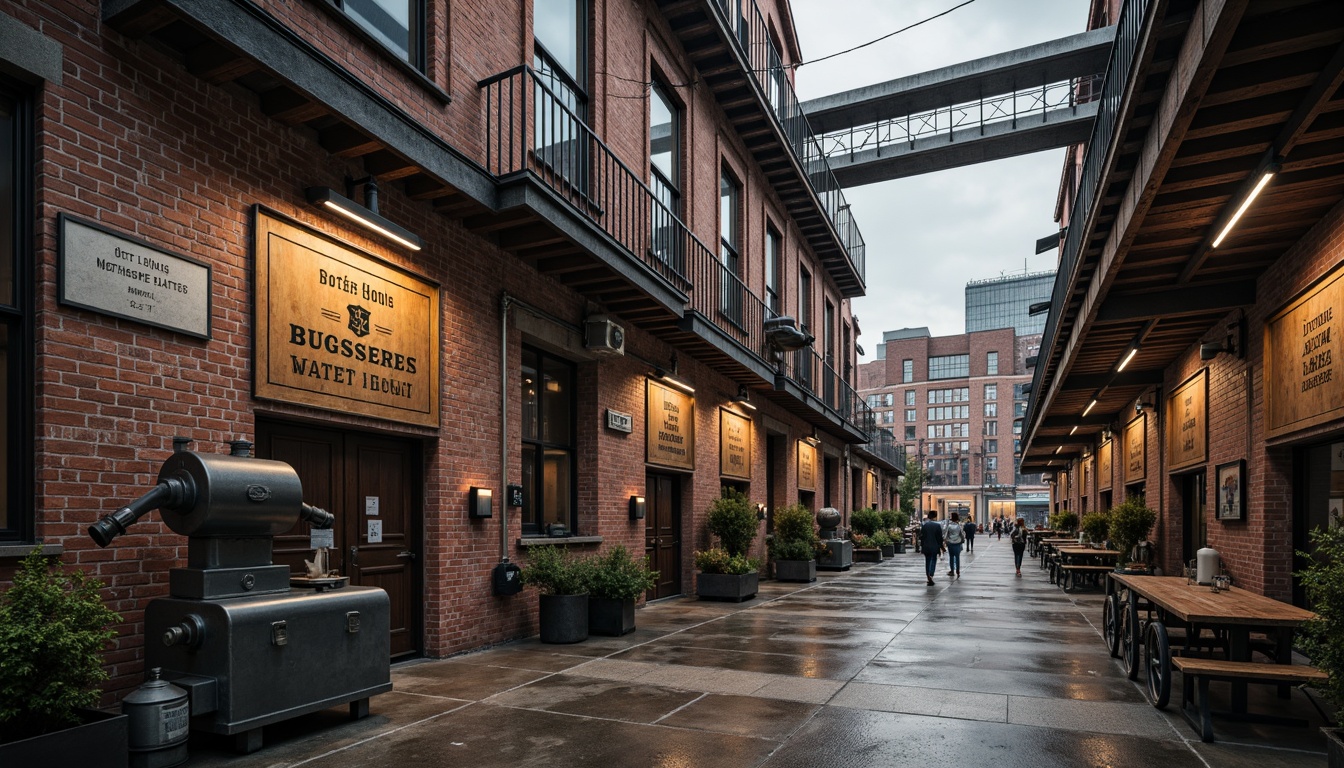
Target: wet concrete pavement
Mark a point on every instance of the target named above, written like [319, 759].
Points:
[865, 668]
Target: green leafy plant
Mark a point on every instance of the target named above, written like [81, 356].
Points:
[554, 571]
[1064, 521]
[865, 521]
[733, 520]
[911, 485]
[1323, 637]
[617, 575]
[718, 560]
[881, 539]
[1096, 526]
[894, 519]
[795, 534]
[53, 628]
[1130, 523]
[861, 541]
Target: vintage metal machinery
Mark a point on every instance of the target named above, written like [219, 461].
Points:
[248, 649]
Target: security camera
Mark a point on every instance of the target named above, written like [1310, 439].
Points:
[1138, 406]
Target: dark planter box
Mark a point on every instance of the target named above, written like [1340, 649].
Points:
[727, 586]
[900, 547]
[889, 551]
[838, 556]
[99, 743]
[564, 618]
[610, 617]
[796, 570]
[1334, 747]
[872, 555]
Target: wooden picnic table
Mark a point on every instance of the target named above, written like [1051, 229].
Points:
[1046, 547]
[1171, 601]
[1034, 539]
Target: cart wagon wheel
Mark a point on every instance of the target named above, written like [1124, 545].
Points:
[1110, 624]
[1157, 658]
[1130, 637]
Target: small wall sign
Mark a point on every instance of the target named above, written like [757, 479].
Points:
[105, 271]
[371, 505]
[670, 424]
[620, 422]
[375, 531]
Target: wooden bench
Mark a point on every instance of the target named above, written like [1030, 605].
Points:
[1070, 573]
[1199, 672]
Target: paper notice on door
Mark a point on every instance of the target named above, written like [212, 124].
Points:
[371, 506]
[375, 531]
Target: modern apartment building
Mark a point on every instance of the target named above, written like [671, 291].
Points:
[1006, 302]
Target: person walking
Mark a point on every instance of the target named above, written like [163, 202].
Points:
[1019, 539]
[969, 528]
[998, 526]
[954, 537]
[931, 544]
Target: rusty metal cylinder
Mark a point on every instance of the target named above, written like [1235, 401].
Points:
[234, 495]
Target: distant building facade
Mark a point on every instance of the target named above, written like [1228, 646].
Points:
[1003, 302]
[952, 401]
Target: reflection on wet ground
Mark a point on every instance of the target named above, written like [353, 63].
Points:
[865, 668]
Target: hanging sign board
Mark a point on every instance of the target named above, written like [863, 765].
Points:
[807, 466]
[1104, 466]
[340, 330]
[1303, 357]
[734, 445]
[670, 426]
[1187, 423]
[1135, 444]
[107, 272]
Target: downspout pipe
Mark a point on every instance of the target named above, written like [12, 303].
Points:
[504, 426]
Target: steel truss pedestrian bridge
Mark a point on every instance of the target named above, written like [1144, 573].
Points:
[1014, 103]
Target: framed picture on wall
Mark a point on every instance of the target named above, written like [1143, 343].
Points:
[1231, 489]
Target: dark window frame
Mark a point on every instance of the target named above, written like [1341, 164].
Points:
[18, 524]
[417, 36]
[531, 518]
[667, 191]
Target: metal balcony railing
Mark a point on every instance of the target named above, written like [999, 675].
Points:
[1119, 70]
[754, 43]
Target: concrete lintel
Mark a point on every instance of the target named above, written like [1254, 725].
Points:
[28, 54]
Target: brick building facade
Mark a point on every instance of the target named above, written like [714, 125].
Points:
[554, 206]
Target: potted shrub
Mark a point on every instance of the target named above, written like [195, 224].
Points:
[1322, 638]
[725, 571]
[615, 581]
[895, 521]
[562, 581]
[53, 629]
[795, 544]
[885, 543]
[1065, 522]
[1096, 526]
[866, 549]
[1130, 523]
[865, 521]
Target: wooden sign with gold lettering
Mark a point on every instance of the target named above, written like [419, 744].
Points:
[340, 330]
[1135, 445]
[1104, 466]
[669, 427]
[807, 466]
[1305, 384]
[734, 445]
[872, 488]
[1187, 422]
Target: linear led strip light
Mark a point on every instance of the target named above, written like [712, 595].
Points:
[331, 200]
[1265, 176]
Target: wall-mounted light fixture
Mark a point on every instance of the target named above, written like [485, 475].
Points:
[479, 502]
[760, 511]
[672, 381]
[364, 215]
[638, 507]
[812, 439]
[1231, 344]
[743, 398]
[1145, 403]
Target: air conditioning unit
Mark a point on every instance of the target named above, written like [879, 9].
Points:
[603, 336]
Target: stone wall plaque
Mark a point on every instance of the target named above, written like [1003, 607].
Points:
[670, 427]
[108, 272]
[1188, 423]
[1135, 445]
[735, 435]
[340, 330]
[1303, 348]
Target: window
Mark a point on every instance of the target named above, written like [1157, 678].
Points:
[889, 399]
[992, 363]
[1019, 410]
[909, 433]
[803, 357]
[560, 32]
[16, 459]
[991, 478]
[949, 367]
[991, 409]
[888, 416]
[907, 371]
[774, 257]
[828, 345]
[992, 463]
[548, 411]
[909, 397]
[665, 176]
[872, 400]
[991, 446]
[911, 414]
[730, 246]
[991, 391]
[397, 24]
[955, 395]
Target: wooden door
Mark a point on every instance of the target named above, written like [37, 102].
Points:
[662, 533]
[359, 478]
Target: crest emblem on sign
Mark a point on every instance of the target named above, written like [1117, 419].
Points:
[359, 320]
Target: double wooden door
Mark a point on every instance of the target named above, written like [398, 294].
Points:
[662, 532]
[371, 483]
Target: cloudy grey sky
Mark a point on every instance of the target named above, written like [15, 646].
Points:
[928, 235]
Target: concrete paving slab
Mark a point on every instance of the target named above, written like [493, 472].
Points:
[1134, 719]
[961, 705]
[742, 716]
[611, 700]
[459, 680]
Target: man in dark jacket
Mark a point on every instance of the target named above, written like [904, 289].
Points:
[969, 529]
[931, 543]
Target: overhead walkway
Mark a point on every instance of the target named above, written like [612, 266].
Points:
[1009, 104]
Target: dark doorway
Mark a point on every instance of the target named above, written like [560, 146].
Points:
[662, 532]
[361, 479]
[1194, 500]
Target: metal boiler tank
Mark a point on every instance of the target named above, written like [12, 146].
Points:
[249, 649]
